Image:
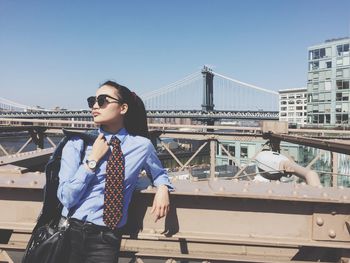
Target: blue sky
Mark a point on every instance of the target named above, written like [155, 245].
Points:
[58, 52]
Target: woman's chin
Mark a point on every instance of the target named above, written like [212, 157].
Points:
[97, 120]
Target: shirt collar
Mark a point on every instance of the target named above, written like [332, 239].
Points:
[121, 134]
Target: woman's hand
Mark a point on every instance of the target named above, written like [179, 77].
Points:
[161, 203]
[99, 148]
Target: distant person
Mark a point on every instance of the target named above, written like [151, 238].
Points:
[97, 192]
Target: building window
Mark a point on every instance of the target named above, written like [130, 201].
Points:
[342, 84]
[339, 61]
[314, 66]
[329, 64]
[342, 96]
[244, 151]
[346, 61]
[338, 108]
[339, 73]
[342, 118]
[346, 72]
[321, 118]
[338, 96]
[317, 53]
[343, 50]
[229, 148]
[321, 97]
[345, 84]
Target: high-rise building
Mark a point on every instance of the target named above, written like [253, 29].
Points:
[328, 83]
[292, 106]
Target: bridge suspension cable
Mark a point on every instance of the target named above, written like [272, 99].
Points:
[10, 105]
[233, 94]
[168, 88]
[246, 84]
[181, 94]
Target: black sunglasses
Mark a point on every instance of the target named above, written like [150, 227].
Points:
[101, 100]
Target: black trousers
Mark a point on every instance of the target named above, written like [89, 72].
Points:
[90, 243]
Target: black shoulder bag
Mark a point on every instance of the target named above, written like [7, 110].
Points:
[49, 244]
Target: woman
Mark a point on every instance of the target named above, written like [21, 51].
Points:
[96, 193]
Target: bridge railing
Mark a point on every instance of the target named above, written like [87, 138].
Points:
[210, 140]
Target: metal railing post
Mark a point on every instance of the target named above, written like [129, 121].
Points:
[212, 158]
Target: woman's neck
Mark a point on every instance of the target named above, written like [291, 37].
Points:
[113, 129]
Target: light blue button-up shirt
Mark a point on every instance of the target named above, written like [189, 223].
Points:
[83, 190]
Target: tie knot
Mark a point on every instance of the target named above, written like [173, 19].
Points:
[114, 141]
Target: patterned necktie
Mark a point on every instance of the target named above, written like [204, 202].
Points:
[113, 198]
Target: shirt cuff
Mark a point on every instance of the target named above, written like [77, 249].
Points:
[165, 182]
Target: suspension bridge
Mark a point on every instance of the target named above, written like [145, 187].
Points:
[203, 94]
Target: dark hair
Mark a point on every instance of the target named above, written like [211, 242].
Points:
[135, 120]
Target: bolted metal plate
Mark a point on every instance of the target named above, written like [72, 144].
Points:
[30, 180]
[331, 225]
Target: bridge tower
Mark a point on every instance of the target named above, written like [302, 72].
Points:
[208, 98]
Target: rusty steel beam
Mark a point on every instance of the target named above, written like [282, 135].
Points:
[226, 220]
[4, 257]
[193, 156]
[4, 150]
[28, 158]
[333, 146]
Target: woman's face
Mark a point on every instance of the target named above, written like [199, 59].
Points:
[112, 112]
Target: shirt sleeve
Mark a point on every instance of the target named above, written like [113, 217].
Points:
[154, 168]
[73, 176]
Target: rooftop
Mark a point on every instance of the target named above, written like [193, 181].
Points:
[302, 89]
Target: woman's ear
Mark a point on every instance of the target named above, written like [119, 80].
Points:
[124, 108]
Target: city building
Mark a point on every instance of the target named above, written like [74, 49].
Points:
[292, 106]
[328, 83]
